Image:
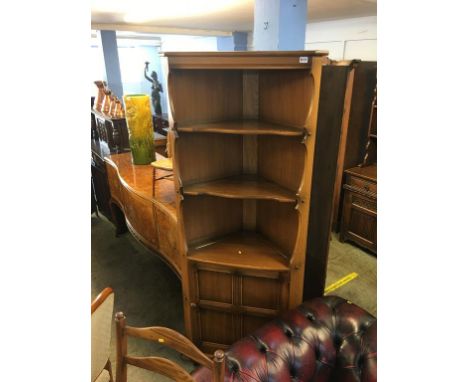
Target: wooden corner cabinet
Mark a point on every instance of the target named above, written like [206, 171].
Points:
[244, 132]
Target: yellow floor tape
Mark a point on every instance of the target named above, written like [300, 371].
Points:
[340, 282]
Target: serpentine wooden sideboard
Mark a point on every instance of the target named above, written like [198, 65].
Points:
[245, 219]
[152, 220]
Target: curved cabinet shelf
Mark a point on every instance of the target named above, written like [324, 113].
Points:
[246, 250]
[243, 127]
[242, 187]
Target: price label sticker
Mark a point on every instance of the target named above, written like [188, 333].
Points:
[303, 60]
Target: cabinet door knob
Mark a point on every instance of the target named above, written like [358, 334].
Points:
[193, 305]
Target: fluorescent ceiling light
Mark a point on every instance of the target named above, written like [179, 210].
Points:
[140, 11]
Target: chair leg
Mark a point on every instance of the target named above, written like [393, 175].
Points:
[121, 368]
[219, 361]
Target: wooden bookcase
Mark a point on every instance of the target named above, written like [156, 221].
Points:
[244, 128]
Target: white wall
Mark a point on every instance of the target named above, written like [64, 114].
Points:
[345, 39]
[181, 43]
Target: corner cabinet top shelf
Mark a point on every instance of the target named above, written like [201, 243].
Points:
[242, 187]
[243, 60]
[243, 127]
[247, 250]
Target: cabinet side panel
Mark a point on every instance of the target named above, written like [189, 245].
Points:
[204, 157]
[278, 222]
[281, 160]
[284, 96]
[206, 96]
[324, 170]
[208, 217]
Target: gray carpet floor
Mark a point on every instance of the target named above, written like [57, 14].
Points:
[150, 294]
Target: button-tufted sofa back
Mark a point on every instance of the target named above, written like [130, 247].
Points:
[324, 339]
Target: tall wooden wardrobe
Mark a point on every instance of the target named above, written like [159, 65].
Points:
[362, 79]
[245, 136]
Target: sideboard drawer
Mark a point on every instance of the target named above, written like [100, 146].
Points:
[364, 185]
[364, 203]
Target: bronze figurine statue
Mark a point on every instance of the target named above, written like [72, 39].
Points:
[156, 88]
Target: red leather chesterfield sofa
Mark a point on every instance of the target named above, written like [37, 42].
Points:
[324, 339]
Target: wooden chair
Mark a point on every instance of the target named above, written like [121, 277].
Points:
[163, 366]
[101, 330]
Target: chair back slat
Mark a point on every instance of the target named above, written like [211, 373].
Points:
[162, 366]
[172, 339]
[169, 338]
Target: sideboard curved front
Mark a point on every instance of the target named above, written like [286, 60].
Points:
[150, 215]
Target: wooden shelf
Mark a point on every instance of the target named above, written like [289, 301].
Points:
[247, 250]
[244, 127]
[242, 187]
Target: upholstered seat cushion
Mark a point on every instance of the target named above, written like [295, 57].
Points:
[324, 339]
[103, 377]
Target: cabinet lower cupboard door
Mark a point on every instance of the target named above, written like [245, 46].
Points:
[360, 220]
[229, 304]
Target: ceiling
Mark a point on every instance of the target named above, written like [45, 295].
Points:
[213, 15]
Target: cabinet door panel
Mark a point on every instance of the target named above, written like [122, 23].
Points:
[215, 286]
[217, 327]
[362, 225]
[260, 292]
[359, 220]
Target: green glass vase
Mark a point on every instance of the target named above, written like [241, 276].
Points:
[140, 128]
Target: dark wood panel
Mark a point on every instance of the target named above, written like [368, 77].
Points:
[363, 92]
[324, 168]
[251, 323]
[215, 286]
[101, 188]
[261, 292]
[217, 327]
[353, 146]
